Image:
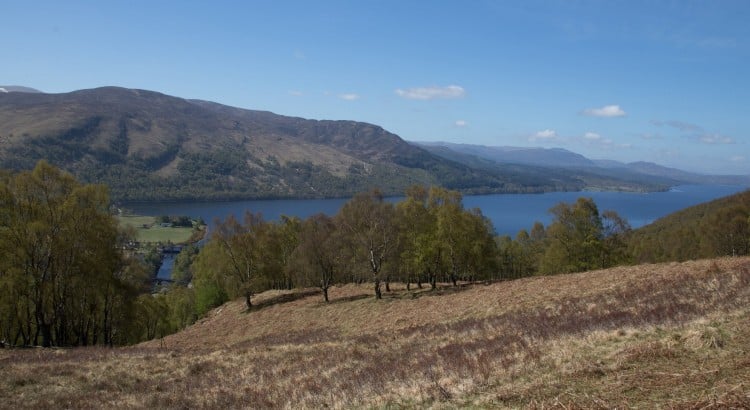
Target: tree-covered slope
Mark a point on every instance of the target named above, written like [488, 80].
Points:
[717, 228]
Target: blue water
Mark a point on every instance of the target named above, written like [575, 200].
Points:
[167, 263]
[509, 213]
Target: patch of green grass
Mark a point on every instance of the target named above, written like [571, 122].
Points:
[136, 220]
[147, 230]
[158, 234]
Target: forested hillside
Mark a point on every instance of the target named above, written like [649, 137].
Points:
[717, 228]
[287, 301]
[62, 247]
[425, 239]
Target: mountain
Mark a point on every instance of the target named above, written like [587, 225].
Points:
[564, 166]
[649, 168]
[546, 157]
[583, 168]
[17, 89]
[150, 146]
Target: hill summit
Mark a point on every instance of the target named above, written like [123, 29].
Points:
[17, 89]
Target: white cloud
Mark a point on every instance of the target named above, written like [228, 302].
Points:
[296, 93]
[606, 111]
[680, 125]
[592, 136]
[695, 132]
[715, 139]
[737, 158]
[461, 123]
[349, 97]
[608, 144]
[596, 140]
[544, 135]
[432, 93]
[299, 55]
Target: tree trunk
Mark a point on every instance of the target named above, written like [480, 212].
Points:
[27, 334]
[249, 303]
[378, 292]
[46, 335]
[95, 332]
[325, 294]
[107, 321]
[22, 335]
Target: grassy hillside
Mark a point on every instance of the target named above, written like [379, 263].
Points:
[669, 335]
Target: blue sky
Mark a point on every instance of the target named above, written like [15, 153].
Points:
[660, 81]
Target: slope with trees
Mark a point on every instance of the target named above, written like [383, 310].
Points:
[717, 228]
[318, 261]
[68, 279]
[64, 278]
[672, 335]
[427, 237]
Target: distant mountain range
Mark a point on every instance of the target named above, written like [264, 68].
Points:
[570, 161]
[545, 157]
[150, 146]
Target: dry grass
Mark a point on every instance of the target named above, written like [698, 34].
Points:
[670, 336]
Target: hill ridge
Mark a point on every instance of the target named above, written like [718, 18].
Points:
[148, 145]
[567, 162]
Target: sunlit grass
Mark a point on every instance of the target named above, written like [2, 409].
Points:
[148, 231]
[671, 335]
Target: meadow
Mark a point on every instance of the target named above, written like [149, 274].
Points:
[147, 230]
[673, 335]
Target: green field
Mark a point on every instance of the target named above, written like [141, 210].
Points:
[155, 232]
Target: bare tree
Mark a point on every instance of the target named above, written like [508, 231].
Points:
[241, 253]
[318, 258]
[368, 223]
